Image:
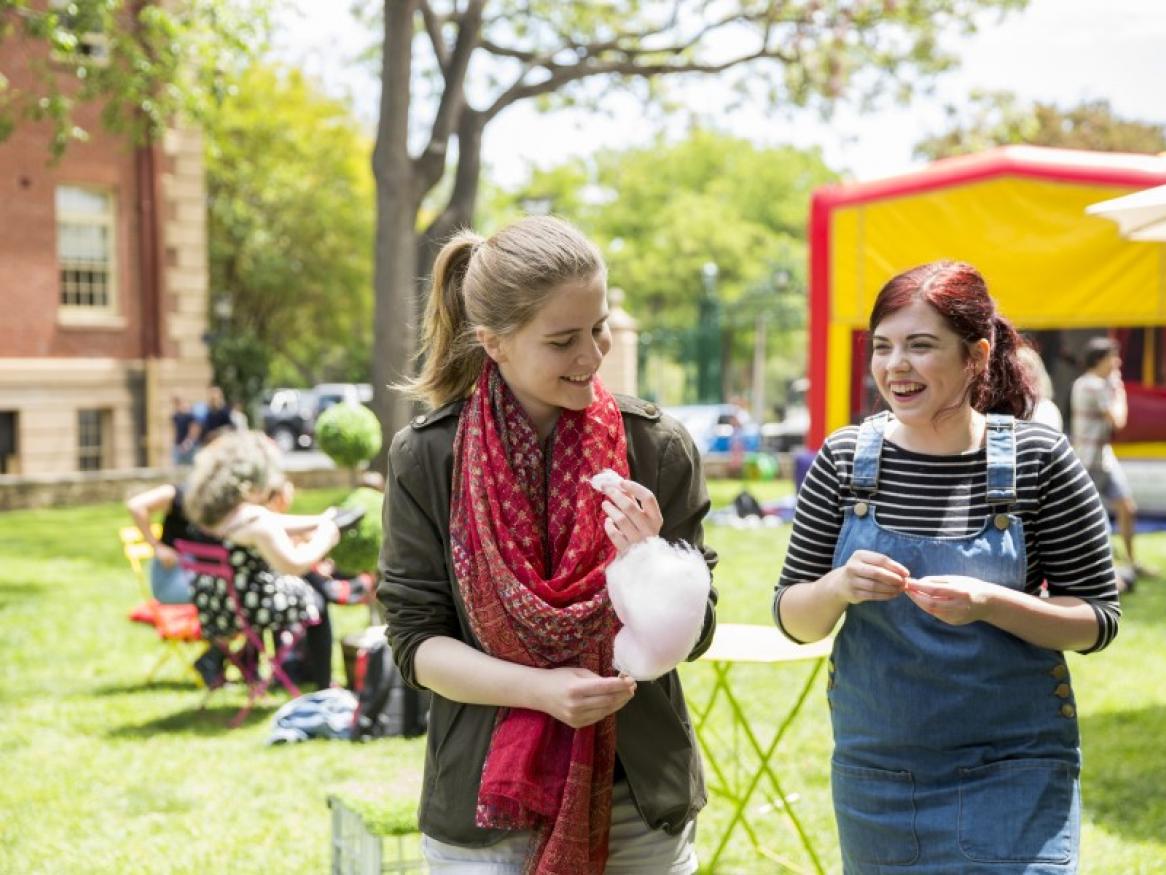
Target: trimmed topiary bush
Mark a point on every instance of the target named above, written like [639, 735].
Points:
[349, 434]
[360, 546]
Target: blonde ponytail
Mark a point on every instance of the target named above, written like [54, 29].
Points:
[451, 356]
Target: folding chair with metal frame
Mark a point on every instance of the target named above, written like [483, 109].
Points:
[213, 559]
[176, 625]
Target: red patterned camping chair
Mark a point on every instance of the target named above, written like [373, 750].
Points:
[212, 559]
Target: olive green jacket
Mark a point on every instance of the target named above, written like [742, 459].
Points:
[654, 737]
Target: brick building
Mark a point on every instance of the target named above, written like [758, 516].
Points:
[103, 294]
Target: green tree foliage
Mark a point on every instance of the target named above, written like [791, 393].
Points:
[290, 225]
[999, 118]
[349, 434]
[661, 212]
[241, 365]
[141, 62]
[360, 546]
[782, 52]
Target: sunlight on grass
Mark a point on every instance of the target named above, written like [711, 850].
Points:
[103, 773]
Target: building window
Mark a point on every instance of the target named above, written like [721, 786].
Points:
[93, 439]
[85, 247]
[92, 45]
[9, 448]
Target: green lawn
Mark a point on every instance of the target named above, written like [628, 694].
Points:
[102, 773]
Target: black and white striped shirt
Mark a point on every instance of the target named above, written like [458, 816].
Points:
[1066, 531]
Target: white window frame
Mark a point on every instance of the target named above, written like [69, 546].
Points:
[94, 45]
[77, 312]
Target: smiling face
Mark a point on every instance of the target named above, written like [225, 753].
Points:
[921, 366]
[550, 362]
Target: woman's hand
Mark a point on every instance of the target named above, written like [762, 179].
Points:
[867, 576]
[633, 515]
[955, 599]
[579, 697]
[168, 556]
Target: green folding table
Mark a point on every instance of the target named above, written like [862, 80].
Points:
[733, 645]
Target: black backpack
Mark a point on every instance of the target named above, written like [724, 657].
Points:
[746, 505]
[386, 705]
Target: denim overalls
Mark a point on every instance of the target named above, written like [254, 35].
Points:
[956, 747]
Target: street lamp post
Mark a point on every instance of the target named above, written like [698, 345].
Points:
[708, 352]
[781, 279]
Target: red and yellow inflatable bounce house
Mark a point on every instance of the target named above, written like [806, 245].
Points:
[1018, 214]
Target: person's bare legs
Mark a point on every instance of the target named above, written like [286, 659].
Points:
[1126, 510]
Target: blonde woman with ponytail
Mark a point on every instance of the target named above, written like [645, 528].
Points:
[541, 757]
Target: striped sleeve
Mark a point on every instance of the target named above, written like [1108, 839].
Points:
[817, 523]
[1071, 535]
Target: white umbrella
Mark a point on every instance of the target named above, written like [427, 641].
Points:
[1139, 216]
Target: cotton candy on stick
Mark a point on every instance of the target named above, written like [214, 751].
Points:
[659, 592]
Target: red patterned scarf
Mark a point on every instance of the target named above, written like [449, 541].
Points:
[529, 555]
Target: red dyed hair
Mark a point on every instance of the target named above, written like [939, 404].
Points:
[957, 292]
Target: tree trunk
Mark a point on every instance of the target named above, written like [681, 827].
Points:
[459, 211]
[394, 327]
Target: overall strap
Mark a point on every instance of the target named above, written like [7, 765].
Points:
[867, 451]
[1001, 445]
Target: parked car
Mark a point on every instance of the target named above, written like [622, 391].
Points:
[788, 431]
[328, 394]
[723, 433]
[288, 415]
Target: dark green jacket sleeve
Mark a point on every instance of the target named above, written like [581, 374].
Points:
[415, 589]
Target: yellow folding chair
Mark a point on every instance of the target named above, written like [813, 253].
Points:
[176, 625]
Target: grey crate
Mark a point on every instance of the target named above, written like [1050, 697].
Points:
[356, 851]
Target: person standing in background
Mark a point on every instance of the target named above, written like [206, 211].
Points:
[1045, 411]
[1099, 410]
[186, 432]
[239, 420]
[218, 416]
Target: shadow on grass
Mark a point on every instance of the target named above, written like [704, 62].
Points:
[194, 721]
[1125, 771]
[161, 686]
[1147, 603]
[18, 594]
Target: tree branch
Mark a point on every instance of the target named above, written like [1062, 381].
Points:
[562, 75]
[433, 25]
[430, 164]
[630, 57]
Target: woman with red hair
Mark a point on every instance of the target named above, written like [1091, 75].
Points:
[929, 529]
[541, 757]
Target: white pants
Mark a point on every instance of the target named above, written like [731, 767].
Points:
[632, 848]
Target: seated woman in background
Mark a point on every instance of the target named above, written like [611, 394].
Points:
[322, 577]
[169, 582]
[227, 493]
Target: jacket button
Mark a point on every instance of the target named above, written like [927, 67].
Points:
[1001, 521]
[1062, 691]
[419, 419]
[651, 409]
[861, 508]
[1059, 671]
[1068, 710]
